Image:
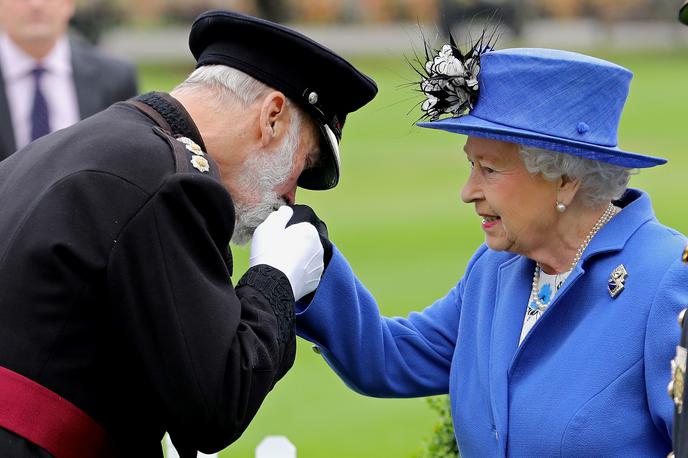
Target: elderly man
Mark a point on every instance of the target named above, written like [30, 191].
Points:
[118, 320]
[50, 81]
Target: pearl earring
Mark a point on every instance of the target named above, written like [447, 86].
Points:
[561, 208]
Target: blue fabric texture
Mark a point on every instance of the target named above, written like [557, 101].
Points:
[589, 379]
[551, 99]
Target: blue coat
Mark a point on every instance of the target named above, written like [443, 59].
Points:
[589, 380]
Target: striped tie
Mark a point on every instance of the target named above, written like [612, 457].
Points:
[40, 124]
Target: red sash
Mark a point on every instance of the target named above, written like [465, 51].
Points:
[35, 413]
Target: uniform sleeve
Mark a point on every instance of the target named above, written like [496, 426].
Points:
[661, 338]
[211, 352]
[375, 355]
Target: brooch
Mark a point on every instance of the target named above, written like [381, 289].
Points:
[615, 284]
[678, 374]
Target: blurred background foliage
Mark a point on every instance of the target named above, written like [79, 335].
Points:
[397, 214]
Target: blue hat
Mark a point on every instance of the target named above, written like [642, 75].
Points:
[320, 81]
[556, 100]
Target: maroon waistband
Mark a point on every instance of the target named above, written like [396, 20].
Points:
[35, 413]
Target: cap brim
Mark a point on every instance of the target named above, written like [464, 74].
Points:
[478, 127]
[683, 14]
[325, 175]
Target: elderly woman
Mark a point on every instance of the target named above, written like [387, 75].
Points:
[557, 340]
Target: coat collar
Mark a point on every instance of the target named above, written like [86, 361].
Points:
[514, 281]
[636, 211]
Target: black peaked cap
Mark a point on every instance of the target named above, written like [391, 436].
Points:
[323, 83]
[683, 14]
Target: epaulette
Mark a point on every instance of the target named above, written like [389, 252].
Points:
[188, 155]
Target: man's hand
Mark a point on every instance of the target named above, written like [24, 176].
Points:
[295, 250]
[304, 213]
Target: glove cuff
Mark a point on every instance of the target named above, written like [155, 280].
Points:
[275, 286]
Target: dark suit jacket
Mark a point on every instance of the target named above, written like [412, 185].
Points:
[100, 81]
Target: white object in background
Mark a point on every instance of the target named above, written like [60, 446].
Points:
[171, 452]
[275, 447]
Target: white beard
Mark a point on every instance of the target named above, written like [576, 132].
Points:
[263, 172]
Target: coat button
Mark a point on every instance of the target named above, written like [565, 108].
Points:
[681, 317]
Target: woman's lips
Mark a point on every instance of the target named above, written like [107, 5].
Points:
[490, 221]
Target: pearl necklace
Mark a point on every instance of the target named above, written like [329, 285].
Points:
[604, 219]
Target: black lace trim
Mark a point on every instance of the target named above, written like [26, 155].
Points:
[175, 114]
[277, 290]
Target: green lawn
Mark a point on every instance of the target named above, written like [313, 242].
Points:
[398, 217]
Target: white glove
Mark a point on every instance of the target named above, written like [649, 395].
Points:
[295, 250]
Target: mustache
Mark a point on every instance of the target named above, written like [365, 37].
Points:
[250, 216]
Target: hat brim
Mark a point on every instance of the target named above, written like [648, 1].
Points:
[478, 127]
[683, 14]
[325, 174]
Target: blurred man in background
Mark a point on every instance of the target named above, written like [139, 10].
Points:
[50, 80]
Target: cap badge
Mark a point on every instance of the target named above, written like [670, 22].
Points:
[615, 284]
[191, 145]
[313, 98]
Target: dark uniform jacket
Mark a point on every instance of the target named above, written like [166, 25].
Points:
[115, 287]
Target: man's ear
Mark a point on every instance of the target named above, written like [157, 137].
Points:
[567, 189]
[273, 118]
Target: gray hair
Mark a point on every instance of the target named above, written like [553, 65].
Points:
[227, 84]
[600, 181]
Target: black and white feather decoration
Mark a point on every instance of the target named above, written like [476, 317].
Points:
[449, 77]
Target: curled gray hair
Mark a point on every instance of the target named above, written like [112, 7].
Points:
[600, 181]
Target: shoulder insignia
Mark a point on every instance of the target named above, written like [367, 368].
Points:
[200, 163]
[191, 145]
[197, 160]
[188, 155]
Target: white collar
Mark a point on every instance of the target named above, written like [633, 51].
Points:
[17, 63]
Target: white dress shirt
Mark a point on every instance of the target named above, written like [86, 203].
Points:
[57, 85]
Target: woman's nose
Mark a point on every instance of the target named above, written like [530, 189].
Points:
[471, 190]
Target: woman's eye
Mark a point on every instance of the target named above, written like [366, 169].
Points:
[488, 169]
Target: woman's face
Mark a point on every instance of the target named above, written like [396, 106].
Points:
[518, 208]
